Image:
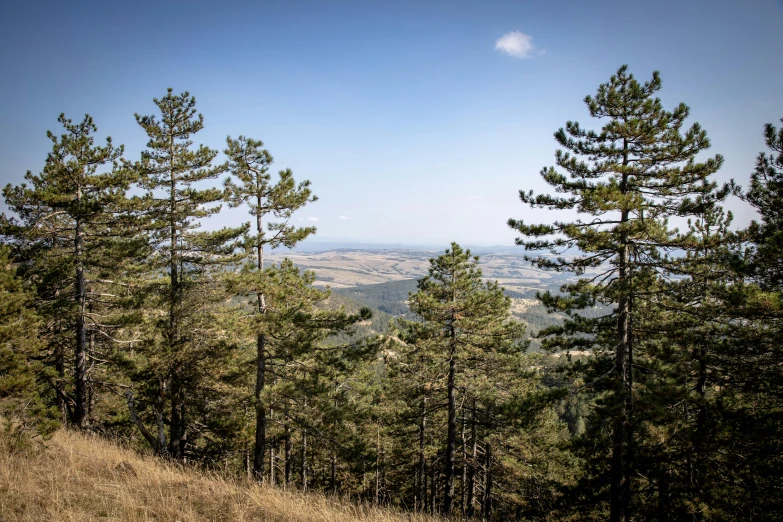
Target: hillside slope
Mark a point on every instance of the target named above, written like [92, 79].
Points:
[80, 478]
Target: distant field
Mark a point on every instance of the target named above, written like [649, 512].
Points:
[347, 268]
[383, 279]
[350, 268]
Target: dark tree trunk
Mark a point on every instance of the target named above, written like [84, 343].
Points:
[59, 384]
[303, 470]
[160, 404]
[471, 510]
[451, 437]
[175, 421]
[80, 369]
[272, 464]
[620, 470]
[90, 370]
[618, 486]
[259, 449]
[488, 483]
[464, 480]
[182, 440]
[433, 488]
[421, 486]
[629, 426]
[333, 478]
[287, 448]
[378, 466]
[260, 442]
[700, 436]
[177, 432]
[140, 425]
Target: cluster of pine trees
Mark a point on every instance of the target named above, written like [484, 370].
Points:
[658, 398]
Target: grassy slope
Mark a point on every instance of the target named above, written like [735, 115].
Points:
[81, 478]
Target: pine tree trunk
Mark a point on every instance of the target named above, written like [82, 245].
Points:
[140, 425]
[303, 471]
[287, 448]
[174, 420]
[697, 467]
[160, 404]
[377, 465]
[182, 440]
[619, 477]
[471, 510]
[464, 480]
[259, 450]
[80, 368]
[433, 489]
[333, 479]
[248, 466]
[618, 483]
[90, 387]
[271, 453]
[487, 511]
[174, 302]
[629, 426]
[425, 499]
[448, 493]
[59, 385]
[260, 442]
[421, 486]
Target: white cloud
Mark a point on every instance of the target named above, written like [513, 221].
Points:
[344, 217]
[517, 44]
[312, 219]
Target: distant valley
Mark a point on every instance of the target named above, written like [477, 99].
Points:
[345, 268]
[382, 279]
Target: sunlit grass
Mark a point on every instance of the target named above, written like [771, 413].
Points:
[76, 477]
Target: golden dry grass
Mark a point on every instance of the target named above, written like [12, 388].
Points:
[81, 478]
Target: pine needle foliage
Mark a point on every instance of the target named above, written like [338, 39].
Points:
[75, 231]
[625, 181]
[766, 195]
[170, 170]
[463, 319]
[249, 162]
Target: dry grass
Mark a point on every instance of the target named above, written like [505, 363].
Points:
[81, 478]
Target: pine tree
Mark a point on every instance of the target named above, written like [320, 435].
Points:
[628, 179]
[75, 219]
[249, 162]
[766, 195]
[295, 326]
[463, 318]
[170, 171]
[683, 326]
[752, 354]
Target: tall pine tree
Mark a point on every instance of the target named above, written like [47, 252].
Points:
[462, 319]
[250, 162]
[627, 180]
[75, 221]
[171, 171]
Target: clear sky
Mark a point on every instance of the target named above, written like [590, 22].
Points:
[417, 122]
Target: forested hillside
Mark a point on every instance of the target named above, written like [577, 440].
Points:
[641, 379]
[388, 300]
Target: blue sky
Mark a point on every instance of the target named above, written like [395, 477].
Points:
[412, 126]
